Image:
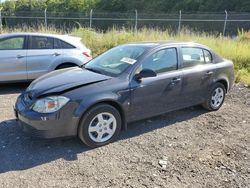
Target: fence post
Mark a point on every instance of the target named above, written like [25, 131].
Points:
[136, 20]
[1, 24]
[45, 18]
[225, 24]
[179, 26]
[90, 18]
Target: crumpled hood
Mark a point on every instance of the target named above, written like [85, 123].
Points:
[63, 80]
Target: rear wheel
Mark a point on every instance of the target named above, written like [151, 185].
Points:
[100, 126]
[215, 98]
[64, 66]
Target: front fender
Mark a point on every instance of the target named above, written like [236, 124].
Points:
[110, 98]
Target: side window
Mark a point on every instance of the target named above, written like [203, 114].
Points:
[162, 61]
[208, 56]
[57, 44]
[15, 43]
[192, 57]
[40, 42]
[66, 45]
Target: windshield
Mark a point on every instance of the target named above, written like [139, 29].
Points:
[115, 61]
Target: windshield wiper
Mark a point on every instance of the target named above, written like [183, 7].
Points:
[93, 70]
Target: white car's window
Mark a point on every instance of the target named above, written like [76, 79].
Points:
[66, 45]
[14, 43]
[40, 42]
[59, 44]
[192, 57]
[162, 61]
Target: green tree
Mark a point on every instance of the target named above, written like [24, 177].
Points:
[156, 6]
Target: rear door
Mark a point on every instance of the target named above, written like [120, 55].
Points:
[198, 72]
[78, 54]
[41, 55]
[13, 58]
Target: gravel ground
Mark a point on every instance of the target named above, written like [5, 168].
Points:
[185, 148]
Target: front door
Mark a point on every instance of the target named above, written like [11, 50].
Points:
[13, 59]
[156, 95]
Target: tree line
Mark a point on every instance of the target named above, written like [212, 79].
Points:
[156, 6]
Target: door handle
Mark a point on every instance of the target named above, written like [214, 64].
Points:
[20, 56]
[208, 73]
[175, 80]
[56, 54]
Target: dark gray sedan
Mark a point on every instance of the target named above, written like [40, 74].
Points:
[127, 83]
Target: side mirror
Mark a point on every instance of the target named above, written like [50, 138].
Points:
[145, 73]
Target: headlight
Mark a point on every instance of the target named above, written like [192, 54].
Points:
[49, 104]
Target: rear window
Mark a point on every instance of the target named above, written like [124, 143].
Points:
[40, 42]
[66, 45]
[208, 56]
[192, 57]
[59, 44]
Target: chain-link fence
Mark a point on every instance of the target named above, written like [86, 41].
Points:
[227, 23]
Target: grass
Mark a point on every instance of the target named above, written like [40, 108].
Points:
[237, 50]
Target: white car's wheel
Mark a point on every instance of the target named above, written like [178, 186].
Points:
[66, 65]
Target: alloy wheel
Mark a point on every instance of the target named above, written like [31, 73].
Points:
[102, 127]
[217, 97]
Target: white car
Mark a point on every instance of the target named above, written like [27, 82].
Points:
[27, 56]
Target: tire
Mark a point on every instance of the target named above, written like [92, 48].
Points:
[64, 66]
[215, 98]
[95, 129]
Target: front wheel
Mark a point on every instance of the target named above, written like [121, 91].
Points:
[215, 98]
[100, 126]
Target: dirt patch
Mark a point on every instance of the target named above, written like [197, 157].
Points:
[185, 148]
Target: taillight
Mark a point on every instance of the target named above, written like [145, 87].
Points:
[87, 54]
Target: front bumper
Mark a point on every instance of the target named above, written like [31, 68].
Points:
[51, 125]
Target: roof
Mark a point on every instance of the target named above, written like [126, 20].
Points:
[167, 43]
[67, 38]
